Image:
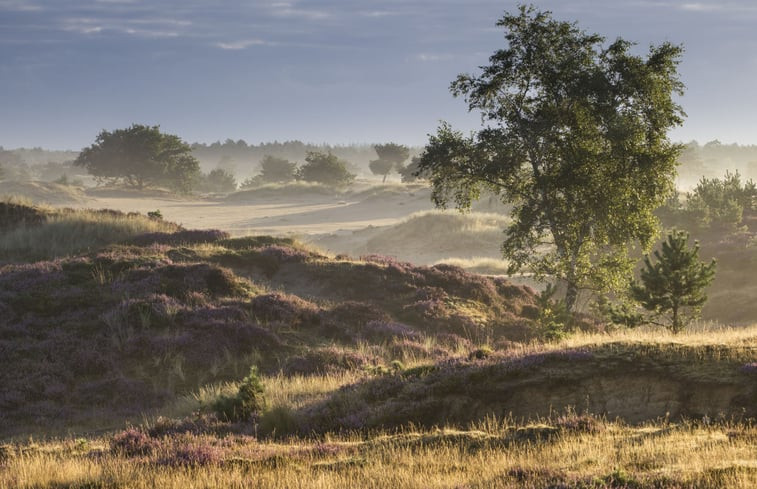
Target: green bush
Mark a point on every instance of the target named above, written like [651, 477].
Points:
[326, 169]
[246, 404]
[721, 204]
[554, 318]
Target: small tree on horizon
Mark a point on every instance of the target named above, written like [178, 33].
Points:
[674, 285]
[140, 156]
[325, 168]
[391, 156]
[218, 180]
[277, 170]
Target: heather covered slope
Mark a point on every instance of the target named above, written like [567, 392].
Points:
[161, 317]
[128, 327]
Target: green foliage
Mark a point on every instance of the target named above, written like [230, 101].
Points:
[575, 140]
[554, 318]
[391, 156]
[412, 171]
[140, 156]
[674, 285]
[218, 180]
[622, 312]
[720, 204]
[277, 170]
[325, 168]
[247, 403]
[156, 214]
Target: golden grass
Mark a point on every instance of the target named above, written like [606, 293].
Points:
[68, 232]
[654, 455]
[478, 264]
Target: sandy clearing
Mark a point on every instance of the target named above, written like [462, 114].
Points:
[302, 216]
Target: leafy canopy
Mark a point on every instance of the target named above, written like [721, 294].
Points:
[275, 169]
[674, 285]
[140, 156]
[325, 168]
[574, 138]
[391, 156]
[721, 203]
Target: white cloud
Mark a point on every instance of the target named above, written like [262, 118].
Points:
[378, 13]
[429, 57]
[163, 28]
[19, 6]
[701, 7]
[244, 44]
[287, 9]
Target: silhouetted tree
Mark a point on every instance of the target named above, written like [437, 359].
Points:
[140, 156]
[325, 168]
[274, 169]
[391, 156]
[412, 171]
[575, 139]
[218, 180]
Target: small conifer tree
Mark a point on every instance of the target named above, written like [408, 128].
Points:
[674, 285]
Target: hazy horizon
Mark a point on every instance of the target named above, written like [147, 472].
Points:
[331, 72]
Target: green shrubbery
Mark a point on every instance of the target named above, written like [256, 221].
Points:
[248, 402]
[715, 204]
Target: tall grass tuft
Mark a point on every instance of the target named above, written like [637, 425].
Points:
[72, 231]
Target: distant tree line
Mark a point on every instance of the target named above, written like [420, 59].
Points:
[247, 159]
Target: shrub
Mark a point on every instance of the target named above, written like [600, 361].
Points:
[132, 443]
[721, 204]
[326, 169]
[246, 404]
[279, 420]
[197, 455]
[217, 180]
[554, 318]
[277, 170]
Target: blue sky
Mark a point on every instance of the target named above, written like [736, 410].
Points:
[335, 71]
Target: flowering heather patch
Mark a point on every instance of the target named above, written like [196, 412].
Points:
[354, 314]
[177, 280]
[252, 242]
[286, 254]
[285, 308]
[457, 281]
[388, 330]
[197, 454]
[326, 360]
[183, 237]
[132, 443]
[385, 260]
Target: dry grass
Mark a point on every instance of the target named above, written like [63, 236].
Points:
[68, 232]
[492, 454]
[483, 265]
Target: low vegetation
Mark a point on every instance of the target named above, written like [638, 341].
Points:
[227, 357]
[42, 233]
[570, 451]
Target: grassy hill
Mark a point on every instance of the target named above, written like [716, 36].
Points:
[125, 328]
[375, 372]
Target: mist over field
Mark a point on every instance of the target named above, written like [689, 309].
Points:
[523, 253]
